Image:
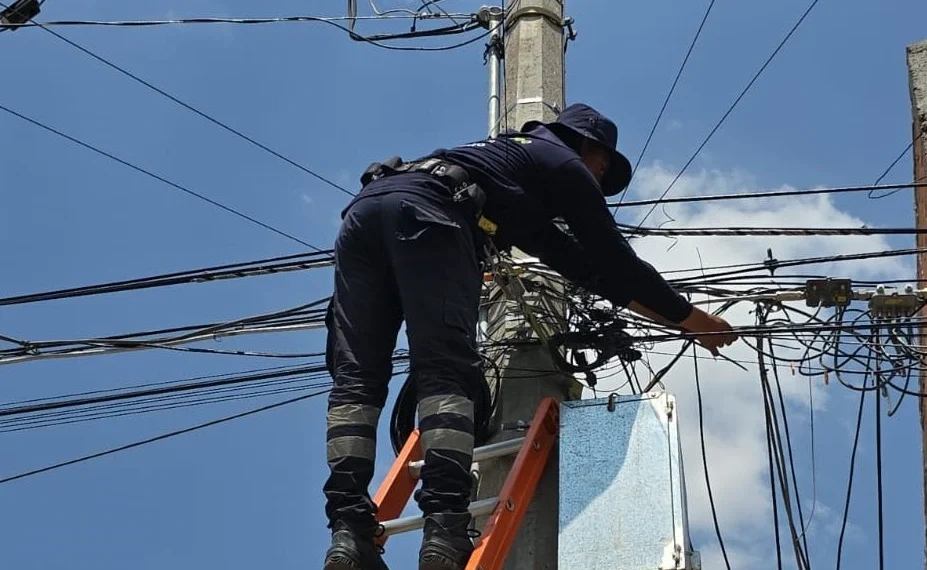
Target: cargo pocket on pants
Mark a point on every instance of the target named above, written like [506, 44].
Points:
[415, 219]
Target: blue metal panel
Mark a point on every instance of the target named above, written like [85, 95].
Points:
[622, 489]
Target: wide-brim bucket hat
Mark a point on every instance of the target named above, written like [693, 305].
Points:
[588, 123]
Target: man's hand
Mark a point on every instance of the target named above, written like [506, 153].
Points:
[699, 322]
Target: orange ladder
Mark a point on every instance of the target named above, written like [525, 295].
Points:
[505, 511]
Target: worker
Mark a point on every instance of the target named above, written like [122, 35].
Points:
[411, 247]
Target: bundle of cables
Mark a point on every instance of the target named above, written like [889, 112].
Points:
[402, 419]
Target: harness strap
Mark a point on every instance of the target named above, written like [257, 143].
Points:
[462, 190]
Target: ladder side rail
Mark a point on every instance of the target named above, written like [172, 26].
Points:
[502, 527]
[399, 484]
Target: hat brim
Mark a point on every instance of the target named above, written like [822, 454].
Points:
[618, 177]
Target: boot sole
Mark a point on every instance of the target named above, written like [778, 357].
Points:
[339, 561]
[439, 563]
[339, 564]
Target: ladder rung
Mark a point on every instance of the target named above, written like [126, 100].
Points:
[498, 449]
[406, 524]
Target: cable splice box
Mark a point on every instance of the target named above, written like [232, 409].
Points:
[622, 487]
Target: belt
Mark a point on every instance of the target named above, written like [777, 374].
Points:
[464, 192]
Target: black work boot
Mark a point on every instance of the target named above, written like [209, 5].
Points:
[446, 544]
[353, 549]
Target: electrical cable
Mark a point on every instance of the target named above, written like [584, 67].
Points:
[173, 388]
[155, 176]
[214, 20]
[733, 105]
[776, 265]
[194, 110]
[766, 194]
[776, 450]
[161, 437]
[701, 432]
[160, 404]
[274, 265]
[669, 94]
[878, 437]
[846, 507]
[307, 316]
[149, 385]
[771, 231]
[892, 165]
[378, 39]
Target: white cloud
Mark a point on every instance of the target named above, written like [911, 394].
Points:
[734, 418]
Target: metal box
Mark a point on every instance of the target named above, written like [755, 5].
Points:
[622, 488]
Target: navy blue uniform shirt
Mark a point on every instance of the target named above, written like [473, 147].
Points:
[532, 178]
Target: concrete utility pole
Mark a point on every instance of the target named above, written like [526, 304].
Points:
[917, 81]
[522, 376]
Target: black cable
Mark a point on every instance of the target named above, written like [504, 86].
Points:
[772, 478]
[733, 105]
[771, 231]
[846, 507]
[160, 437]
[162, 403]
[155, 176]
[307, 315]
[878, 438]
[782, 264]
[701, 433]
[768, 194]
[18, 410]
[209, 20]
[774, 438]
[149, 385]
[672, 89]
[892, 165]
[272, 265]
[194, 110]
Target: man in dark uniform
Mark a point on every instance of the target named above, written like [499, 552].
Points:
[410, 247]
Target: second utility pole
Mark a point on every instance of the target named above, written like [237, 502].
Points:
[533, 57]
[917, 81]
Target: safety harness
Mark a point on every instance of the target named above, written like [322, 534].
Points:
[464, 192]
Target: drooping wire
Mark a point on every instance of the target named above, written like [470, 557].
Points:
[846, 507]
[892, 165]
[701, 431]
[878, 446]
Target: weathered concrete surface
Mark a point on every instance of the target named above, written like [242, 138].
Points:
[917, 83]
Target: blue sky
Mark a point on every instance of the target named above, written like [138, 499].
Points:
[832, 109]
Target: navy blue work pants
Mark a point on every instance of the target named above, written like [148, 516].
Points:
[403, 255]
